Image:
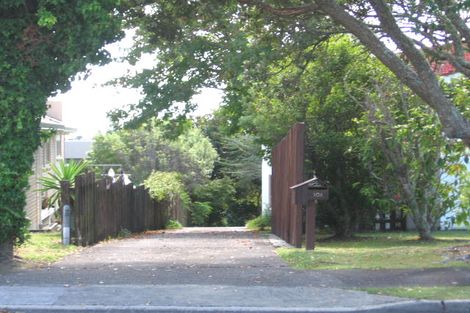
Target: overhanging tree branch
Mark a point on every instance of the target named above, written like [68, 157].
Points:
[420, 77]
[282, 12]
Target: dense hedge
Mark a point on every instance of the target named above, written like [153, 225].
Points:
[43, 45]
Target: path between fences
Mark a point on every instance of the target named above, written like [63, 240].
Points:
[201, 266]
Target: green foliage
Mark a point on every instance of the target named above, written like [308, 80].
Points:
[143, 150]
[219, 195]
[199, 150]
[239, 162]
[61, 172]
[172, 224]
[206, 44]
[165, 185]
[241, 157]
[328, 111]
[261, 222]
[225, 43]
[407, 153]
[44, 44]
[200, 212]
[463, 213]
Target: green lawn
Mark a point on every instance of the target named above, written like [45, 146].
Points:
[44, 248]
[429, 293]
[379, 251]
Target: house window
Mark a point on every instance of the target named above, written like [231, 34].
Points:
[59, 146]
[46, 154]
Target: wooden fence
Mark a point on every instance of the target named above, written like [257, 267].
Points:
[287, 171]
[395, 220]
[102, 209]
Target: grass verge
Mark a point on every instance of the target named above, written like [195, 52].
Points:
[428, 293]
[44, 248]
[260, 223]
[381, 251]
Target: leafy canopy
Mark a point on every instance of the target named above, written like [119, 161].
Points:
[147, 148]
[231, 43]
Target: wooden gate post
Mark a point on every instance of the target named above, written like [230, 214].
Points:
[310, 225]
[307, 194]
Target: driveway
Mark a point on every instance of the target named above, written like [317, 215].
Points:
[194, 267]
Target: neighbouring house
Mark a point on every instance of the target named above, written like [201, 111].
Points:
[448, 72]
[266, 173]
[77, 149]
[38, 212]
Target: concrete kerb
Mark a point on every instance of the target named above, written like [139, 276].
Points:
[401, 307]
[278, 242]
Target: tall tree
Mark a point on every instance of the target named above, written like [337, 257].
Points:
[238, 168]
[43, 45]
[408, 154]
[210, 43]
[425, 33]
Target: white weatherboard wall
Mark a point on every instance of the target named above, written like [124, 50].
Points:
[448, 220]
[266, 172]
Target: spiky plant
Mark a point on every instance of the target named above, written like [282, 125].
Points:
[61, 172]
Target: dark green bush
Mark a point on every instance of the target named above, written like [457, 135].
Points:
[200, 212]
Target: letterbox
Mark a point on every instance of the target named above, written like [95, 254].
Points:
[312, 189]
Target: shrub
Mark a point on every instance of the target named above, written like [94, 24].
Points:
[165, 185]
[261, 222]
[124, 233]
[173, 224]
[200, 212]
[219, 194]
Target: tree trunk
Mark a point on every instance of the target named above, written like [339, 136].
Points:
[425, 233]
[423, 227]
[6, 251]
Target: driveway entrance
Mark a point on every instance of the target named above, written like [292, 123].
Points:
[190, 268]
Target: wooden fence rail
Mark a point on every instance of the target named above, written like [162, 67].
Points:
[102, 209]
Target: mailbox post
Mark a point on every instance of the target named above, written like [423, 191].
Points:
[308, 194]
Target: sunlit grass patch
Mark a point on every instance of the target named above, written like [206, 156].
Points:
[44, 248]
[379, 251]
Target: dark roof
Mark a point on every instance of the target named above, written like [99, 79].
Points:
[445, 68]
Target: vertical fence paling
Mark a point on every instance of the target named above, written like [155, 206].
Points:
[102, 209]
[287, 171]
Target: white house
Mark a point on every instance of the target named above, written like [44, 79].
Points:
[49, 152]
[266, 172]
[77, 149]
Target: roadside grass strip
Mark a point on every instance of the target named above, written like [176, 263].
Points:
[44, 248]
[425, 293]
[401, 250]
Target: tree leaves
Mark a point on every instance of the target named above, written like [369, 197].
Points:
[44, 44]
